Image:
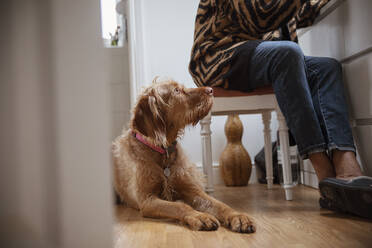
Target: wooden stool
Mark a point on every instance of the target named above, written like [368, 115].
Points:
[261, 101]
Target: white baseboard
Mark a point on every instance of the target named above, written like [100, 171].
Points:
[308, 175]
[310, 179]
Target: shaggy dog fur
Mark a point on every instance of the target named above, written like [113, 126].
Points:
[160, 116]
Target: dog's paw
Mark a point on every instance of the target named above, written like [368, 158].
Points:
[201, 222]
[240, 222]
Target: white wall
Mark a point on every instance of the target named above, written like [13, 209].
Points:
[83, 124]
[168, 30]
[28, 187]
[55, 185]
[118, 76]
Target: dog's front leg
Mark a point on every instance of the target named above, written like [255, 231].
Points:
[236, 221]
[157, 208]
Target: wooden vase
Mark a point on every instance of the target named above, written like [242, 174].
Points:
[235, 163]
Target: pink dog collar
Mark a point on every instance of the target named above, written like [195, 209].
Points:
[140, 138]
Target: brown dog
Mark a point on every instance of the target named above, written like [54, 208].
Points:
[151, 170]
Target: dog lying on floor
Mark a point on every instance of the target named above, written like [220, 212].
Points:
[153, 175]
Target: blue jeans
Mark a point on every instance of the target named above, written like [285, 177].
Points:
[310, 93]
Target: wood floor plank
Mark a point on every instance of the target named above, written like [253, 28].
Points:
[279, 223]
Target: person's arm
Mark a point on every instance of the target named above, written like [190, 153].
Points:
[264, 16]
[308, 12]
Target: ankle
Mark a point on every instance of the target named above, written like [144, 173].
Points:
[322, 165]
[345, 164]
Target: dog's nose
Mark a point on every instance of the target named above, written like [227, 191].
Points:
[209, 91]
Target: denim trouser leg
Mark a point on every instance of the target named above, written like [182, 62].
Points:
[325, 81]
[309, 92]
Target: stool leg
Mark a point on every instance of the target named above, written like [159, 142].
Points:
[266, 119]
[284, 148]
[205, 133]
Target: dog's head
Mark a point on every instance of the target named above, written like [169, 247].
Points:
[165, 108]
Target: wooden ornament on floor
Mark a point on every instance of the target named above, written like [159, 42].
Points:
[235, 163]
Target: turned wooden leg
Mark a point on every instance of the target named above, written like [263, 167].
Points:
[266, 119]
[235, 163]
[286, 163]
[205, 133]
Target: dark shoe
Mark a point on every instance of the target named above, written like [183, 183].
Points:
[352, 196]
[327, 204]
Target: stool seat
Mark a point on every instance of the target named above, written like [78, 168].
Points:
[221, 92]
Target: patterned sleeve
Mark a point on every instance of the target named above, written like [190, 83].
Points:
[308, 12]
[261, 16]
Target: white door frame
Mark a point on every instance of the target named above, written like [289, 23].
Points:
[136, 48]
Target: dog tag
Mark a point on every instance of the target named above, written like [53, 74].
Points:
[167, 172]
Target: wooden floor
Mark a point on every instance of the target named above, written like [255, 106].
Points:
[279, 223]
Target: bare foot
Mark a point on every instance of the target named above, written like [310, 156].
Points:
[345, 164]
[322, 165]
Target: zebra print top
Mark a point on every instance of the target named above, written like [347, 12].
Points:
[222, 26]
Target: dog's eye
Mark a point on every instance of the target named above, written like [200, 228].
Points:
[176, 90]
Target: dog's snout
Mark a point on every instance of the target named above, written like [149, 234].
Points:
[209, 91]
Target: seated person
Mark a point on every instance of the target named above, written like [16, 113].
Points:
[247, 44]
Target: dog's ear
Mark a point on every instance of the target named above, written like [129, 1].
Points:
[148, 119]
